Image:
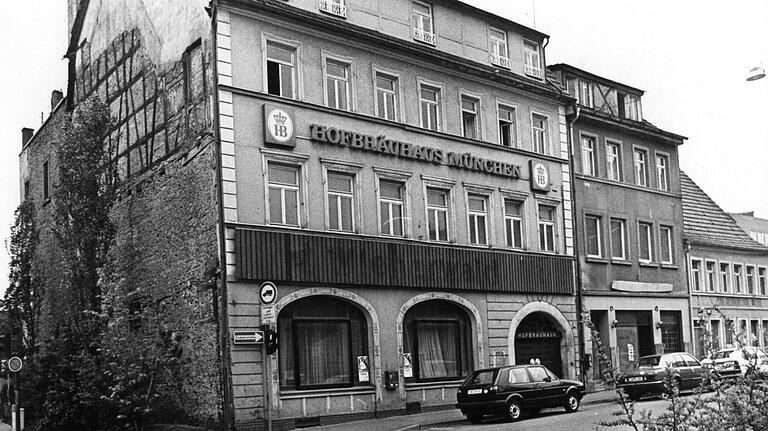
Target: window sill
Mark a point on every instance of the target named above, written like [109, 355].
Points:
[669, 266]
[596, 259]
[435, 384]
[621, 262]
[649, 264]
[312, 393]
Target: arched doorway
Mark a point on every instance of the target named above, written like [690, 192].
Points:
[538, 338]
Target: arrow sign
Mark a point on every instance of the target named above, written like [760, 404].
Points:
[248, 337]
[267, 292]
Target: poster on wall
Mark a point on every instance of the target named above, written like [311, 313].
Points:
[631, 352]
[362, 369]
[407, 365]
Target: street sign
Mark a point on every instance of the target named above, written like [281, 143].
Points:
[248, 337]
[14, 364]
[268, 314]
[267, 292]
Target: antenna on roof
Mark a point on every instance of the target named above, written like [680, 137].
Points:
[533, 6]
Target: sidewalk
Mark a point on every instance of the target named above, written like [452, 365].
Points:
[442, 417]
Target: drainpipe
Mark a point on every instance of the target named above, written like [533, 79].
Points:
[692, 332]
[576, 248]
[228, 407]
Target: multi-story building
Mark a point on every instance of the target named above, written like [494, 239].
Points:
[399, 170]
[728, 273]
[628, 215]
[756, 227]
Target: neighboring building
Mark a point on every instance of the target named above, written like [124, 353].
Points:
[629, 220]
[728, 273]
[400, 171]
[756, 227]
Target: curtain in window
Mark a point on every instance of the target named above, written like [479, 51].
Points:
[437, 349]
[323, 349]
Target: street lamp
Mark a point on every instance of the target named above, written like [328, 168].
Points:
[756, 73]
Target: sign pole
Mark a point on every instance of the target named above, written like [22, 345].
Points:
[18, 407]
[268, 386]
[267, 296]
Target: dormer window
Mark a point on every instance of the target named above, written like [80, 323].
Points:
[532, 59]
[498, 46]
[629, 107]
[586, 97]
[334, 7]
[423, 30]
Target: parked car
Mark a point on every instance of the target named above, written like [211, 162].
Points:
[648, 374]
[736, 362]
[513, 390]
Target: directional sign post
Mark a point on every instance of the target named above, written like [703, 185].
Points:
[247, 337]
[268, 295]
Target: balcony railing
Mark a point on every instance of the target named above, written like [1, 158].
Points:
[536, 72]
[424, 36]
[499, 60]
[319, 259]
[334, 8]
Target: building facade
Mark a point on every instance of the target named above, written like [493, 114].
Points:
[728, 273]
[399, 170]
[628, 216]
[755, 227]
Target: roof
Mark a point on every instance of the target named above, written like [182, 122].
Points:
[705, 223]
[513, 24]
[581, 72]
[643, 127]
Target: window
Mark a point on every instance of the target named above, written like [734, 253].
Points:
[725, 277]
[532, 59]
[26, 189]
[765, 334]
[429, 106]
[478, 215]
[513, 222]
[507, 126]
[437, 334]
[337, 86]
[696, 276]
[646, 241]
[392, 207]
[711, 279]
[594, 236]
[334, 7]
[46, 182]
[546, 227]
[470, 118]
[588, 155]
[321, 339]
[662, 176]
[737, 281]
[586, 96]
[665, 244]
[629, 107]
[386, 96]
[498, 43]
[613, 161]
[422, 23]
[437, 214]
[672, 332]
[540, 140]
[341, 198]
[281, 70]
[641, 172]
[715, 329]
[750, 279]
[618, 239]
[762, 277]
[283, 184]
[753, 330]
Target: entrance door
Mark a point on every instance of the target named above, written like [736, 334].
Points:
[634, 336]
[538, 339]
[627, 340]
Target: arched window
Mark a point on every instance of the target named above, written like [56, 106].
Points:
[321, 339]
[436, 334]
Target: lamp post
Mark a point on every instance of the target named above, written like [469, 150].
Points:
[755, 73]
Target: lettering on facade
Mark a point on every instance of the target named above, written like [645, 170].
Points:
[380, 144]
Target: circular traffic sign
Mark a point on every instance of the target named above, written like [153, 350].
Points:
[14, 364]
[267, 292]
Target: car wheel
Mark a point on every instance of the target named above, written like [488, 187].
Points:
[572, 402]
[513, 410]
[475, 418]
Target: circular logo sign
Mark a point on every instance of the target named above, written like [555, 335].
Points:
[267, 292]
[540, 176]
[279, 125]
[14, 364]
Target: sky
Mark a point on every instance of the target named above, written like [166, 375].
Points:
[690, 57]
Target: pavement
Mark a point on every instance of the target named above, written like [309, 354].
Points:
[431, 419]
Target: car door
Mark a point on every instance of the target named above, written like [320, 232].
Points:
[680, 369]
[696, 370]
[544, 387]
[516, 381]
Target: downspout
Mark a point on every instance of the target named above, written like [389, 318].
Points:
[692, 331]
[576, 248]
[228, 407]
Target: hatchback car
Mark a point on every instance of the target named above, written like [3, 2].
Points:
[512, 390]
[648, 374]
[736, 362]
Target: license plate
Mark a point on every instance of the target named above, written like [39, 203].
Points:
[635, 379]
[474, 391]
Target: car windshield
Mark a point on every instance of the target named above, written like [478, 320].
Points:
[481, 378]
[649, 361]
[722, 354]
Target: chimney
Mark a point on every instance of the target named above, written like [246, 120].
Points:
[56, 96]
[26, 135]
